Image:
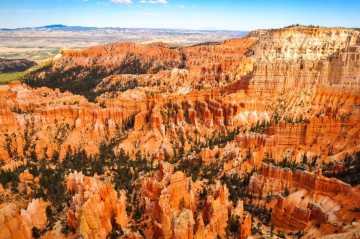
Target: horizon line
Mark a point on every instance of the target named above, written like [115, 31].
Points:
[118, 27]
[169, 28]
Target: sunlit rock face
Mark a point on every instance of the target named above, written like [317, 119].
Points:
[170, 199]
[15, 224]
[95, 207]
[300, 57]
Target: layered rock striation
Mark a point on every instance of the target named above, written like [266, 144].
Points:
[275, 179]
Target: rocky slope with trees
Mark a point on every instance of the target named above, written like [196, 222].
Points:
[253, 137]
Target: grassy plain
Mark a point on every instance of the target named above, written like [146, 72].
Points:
[5, 78]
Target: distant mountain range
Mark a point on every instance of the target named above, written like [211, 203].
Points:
[54, 27]
[82, 28]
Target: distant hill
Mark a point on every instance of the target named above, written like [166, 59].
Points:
[8, 66]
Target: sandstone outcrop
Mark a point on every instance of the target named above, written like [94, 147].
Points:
[28, 114]
[160, 54]
[295, 217]
[216, 211]
[304, 209]
[245, 227]
[352, 232]
[140, 121]
[301, 56]
[26, 181]
[19, 225]
[313, 198]
[170, 202]
[318, 212]
[275, 179]
[95, 207]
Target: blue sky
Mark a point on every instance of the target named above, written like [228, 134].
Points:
[200, 14]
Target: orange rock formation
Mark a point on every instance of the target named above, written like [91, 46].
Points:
[95, 207]
[289, 94]
[19, 225]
